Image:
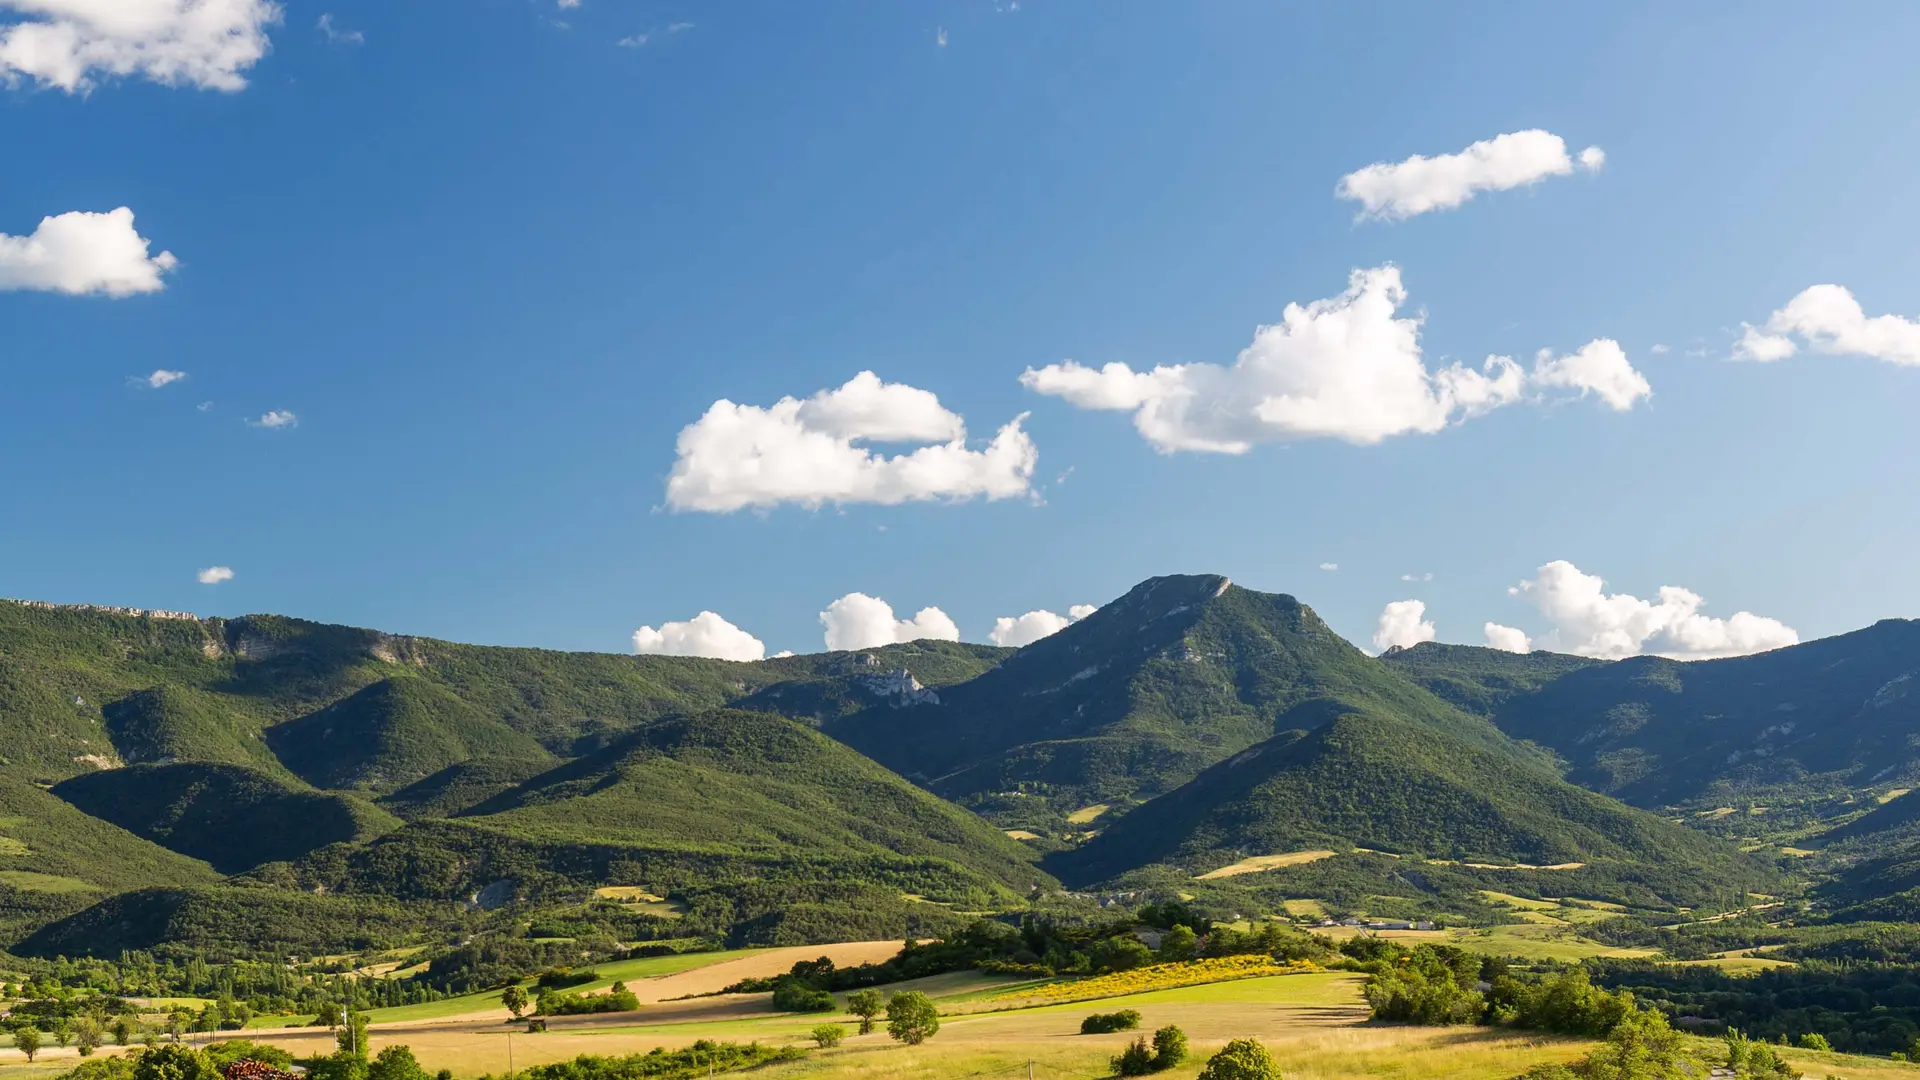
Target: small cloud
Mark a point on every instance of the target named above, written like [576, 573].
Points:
[214, 575]
[1062, 478]
[1661, 349]
[278, 418]
[940, 37]
[1428, 576]
[783, 654]
[637, 41]
[337, 35]
[205, 406]
[162, 377]
[1329, 567]
[568, 5]
[679, 27]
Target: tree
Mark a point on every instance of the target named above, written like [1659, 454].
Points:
[122, 1031]
[177, 1021]
[911, 1017]
[866, 1004]
[1241, 1059]
[792, 995]
[1813, 1040]
[515, 999]
[87, 1035]
[1169, 1048]
[352, 1038]
[1642, 1046]
[62, 1030]
[173, 1062]
[1179, 943]
[27, 1038]
[395, 1063]
[828, 1035]
[328, 1016]
[1135, 1060]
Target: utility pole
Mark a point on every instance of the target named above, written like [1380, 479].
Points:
[509, 1055]
[1029, 1069]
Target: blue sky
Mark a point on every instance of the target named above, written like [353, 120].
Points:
[495, 265]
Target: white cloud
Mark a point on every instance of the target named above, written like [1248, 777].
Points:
[940, 38]
[336, 35]
[1428, 576]
[1402, 624]
[1024, 630]
[1419, 184]
[706, 634]
[813, 452]
[278, 418]
[679, 27]
[859, 621]
[81, 253]
[1342, 368]
[1829, 320]
[1600, 368]
[1660, 349]
[214, 575]
[1591, 622]
[162, 377]
[568, 4]
[1507, 639]
[204, 406]
[1329, 566]
[73, 44]
[635, 41]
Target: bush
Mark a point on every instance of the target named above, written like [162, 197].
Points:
[866, 1004]
[1135, 1060]
[1428, 985]
[617, 999]
[1169, 1048]
[1752, 1058]
[1102, 1023]
[911, 1017]
[1813, 1040]
[827, 1036]
[792, 995]
[694, 1060]
[395, 1063]
[1241, 1059]
[1566, 1003]
[173, 1062]
[221, 1054]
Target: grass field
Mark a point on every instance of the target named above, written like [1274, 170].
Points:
[1265, 862]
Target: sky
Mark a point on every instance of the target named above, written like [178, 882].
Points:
[735, 329]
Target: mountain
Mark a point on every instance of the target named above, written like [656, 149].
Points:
[393, 733]
[231, 816]
[1370, 780]
[1829, 716]
[1137, 699]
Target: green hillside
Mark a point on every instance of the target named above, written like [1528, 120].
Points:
[231, 816]
[54, 859]
[463, 785]
[1827, 716]
[1384, 783]
[224, 922]
[391, 734]
[1136, 699]
[1480, 680]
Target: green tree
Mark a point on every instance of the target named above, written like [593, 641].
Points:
[173, 1062]
[62, 1030]
[1813, 1040]
[395, 1063]
[122, 1031]
[1642, 1046]
[87, 1035]
[27, 1038]
[1754, 1058]
[177, 1021]
[866, 1004]
[1135, 1060]
[1241, 1059]
[352, 1038]
[514, 997]
[1179, 943]
[828, 1035]
[911, 1017]
[328, 1016]
[1169, 1048]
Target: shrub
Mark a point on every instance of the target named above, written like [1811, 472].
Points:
[173, 1062]
[1813, 1040]
[1241, 1059]
[911, 1017]
[1135, 1060]
[220, 1054]
[1753, 1058]
[395, 1063]
[1566, 1003]
[827, 1036]
[617, 999]
[1642, 1046]
[1169, 1048]
[1102, 1023]
[1179, 943]
[792, 995]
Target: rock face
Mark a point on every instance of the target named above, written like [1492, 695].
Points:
[138, 613]
[899, 689]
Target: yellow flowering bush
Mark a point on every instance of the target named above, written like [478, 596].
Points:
[1161, 977]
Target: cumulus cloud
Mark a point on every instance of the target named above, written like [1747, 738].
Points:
[818, 451]
[1402, 624]
[1395, 191]
[1827, 319]
[1344, 368]
[73, 44]
[1016, 632]
[214, 575]
[706, 634]
[278, 418]
[859, 621]
[163, 377]
[1507, 638]
[80, 254]
[1599, 368]
[1589, 621]
[337, 35]
[1329, 566]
